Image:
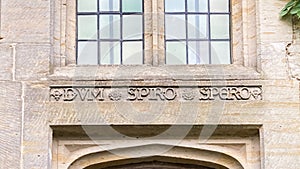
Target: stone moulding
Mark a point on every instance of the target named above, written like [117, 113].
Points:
[154, 93]
[96, 146]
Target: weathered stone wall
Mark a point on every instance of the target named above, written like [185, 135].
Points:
[29, 68]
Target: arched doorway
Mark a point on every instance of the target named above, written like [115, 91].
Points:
[175, 158]
[219, 152]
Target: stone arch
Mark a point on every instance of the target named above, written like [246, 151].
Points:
[146, 153]
[157, 162]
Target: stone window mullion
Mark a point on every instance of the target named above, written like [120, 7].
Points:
[160, 32]
[148, 32]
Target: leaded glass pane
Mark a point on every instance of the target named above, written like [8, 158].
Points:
[175, 27]
[132, 27]
[197, 5]
[174, 5]
[132, 5]
[198, 52]
[87, 6]
[176, 53]
[87, 53]
[219, 5]
[109, 27]
[87, 27]
[219, 25]
[110, 53]
[197, 27]
[133, 53]
[220, 52]
[109, 5]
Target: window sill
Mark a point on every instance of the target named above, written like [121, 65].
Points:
[149, 73]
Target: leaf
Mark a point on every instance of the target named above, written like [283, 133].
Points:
[298, 15]
[294, 11]
[285, 11]
[290, 9]
[291, 3]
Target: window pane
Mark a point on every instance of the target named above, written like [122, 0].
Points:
[87, 6]
[175, 53]
[219, 26]
[197, 5]
[174, 5]
[220, 52]
[199, 52]
[110, 53]
[133, 53]
[219, 5]
[87, 27]
[175, 27]
[132, 27]
[87, 53]
[109, 27]
[132, 6]
[109, 5]
[197, 25]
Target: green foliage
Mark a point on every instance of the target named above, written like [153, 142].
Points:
[292, 8]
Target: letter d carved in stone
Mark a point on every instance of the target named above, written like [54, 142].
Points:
[69, 94]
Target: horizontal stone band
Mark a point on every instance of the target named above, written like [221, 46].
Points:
[157, 93]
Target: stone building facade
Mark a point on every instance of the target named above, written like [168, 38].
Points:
[59, 115]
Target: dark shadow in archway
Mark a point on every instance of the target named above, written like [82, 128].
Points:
[154, 164]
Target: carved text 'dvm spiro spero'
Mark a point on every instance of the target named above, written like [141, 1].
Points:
[140, 93]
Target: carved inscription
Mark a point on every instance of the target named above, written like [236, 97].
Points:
[151, 94]
[230, 93]
[72, 94]
[201, 93]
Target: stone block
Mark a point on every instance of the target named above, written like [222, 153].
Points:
[274, 61]
[271, 27]
[6, 62]
[25, 21]
[32, 61]
[281, 91]
[10, 124]
[37, 133]
[281, 142]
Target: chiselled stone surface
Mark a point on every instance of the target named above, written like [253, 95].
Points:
[35, 146]
[280, 139]
[24, 21]
[10, 124]
[6, 62]
[32, 61]
[271, 28]
[274, 61]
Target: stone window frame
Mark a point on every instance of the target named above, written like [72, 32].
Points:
[245, 61]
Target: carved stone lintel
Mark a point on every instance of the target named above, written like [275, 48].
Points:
[200, 93]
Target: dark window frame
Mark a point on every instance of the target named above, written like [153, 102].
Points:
[186, 13]
[121, 40]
